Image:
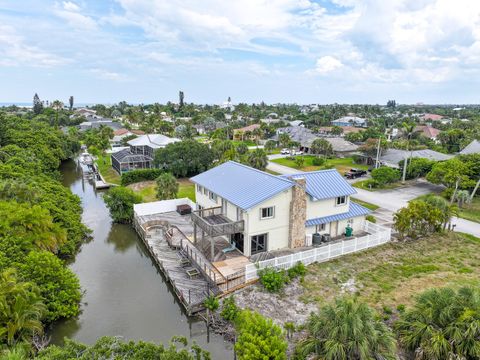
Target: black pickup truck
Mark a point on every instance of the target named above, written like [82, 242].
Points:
[355, 173]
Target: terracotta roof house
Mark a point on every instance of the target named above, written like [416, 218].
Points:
[239, 134]
[428, 131]
[431, 117]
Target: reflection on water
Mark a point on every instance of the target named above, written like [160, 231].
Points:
[125, 294]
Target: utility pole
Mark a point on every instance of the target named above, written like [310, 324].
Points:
[378, 153]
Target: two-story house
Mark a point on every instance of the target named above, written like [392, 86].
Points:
[141, 152]
[275, 212]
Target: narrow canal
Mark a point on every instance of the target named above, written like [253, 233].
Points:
[125, 294]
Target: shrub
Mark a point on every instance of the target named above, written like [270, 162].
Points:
[135, 176]
[385, 175]
[259, 338]
[299, 161]
[318, 161]
[371, 218]
[271, 279]
[211, 303]
[167, 187]
[230, 309]
[297, 270]
[119, 201]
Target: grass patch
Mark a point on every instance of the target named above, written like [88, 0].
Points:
[368, 205]
[393, 273]
[104, 163]
[362, 184]
[148, 190]
[341, 164]
[471, 211]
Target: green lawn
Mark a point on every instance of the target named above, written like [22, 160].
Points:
[104, 164]
[341, 164]
[148, 190]
[391, 274]
[368, 205]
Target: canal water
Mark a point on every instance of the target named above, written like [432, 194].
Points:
[125, 293]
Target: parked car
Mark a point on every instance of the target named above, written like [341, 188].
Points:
[297, 152]
[285, 152]
[355, 173]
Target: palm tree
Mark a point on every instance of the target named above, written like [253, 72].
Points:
[349, 330]
[21, 309]
[443, 324]
[257, 159]
[284, 139]
[167, 187]
[448, 210]
[321, 146]
[57, 105]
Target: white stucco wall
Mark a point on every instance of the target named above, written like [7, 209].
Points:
[276, 227]
[327, 207]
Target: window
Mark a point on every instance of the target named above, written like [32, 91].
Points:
[258, 243]
[213, 196]
[341, 200]
[267, 213]
[205, 191]
[319, 228]
[199, 189]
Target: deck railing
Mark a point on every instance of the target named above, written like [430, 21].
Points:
[378, 235]
[213, 230]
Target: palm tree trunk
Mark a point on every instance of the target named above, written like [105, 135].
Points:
[455, 191]
[475, 190]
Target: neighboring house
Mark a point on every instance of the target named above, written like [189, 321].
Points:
[120, 134]
[391, 157]
[325, 130]
[342, 147]
[141, 152]
[472, 148]
[297, 123]
[239, 134]
[299, 134]
[271, 212]
[431, 117]
[200, 129]
[350, 121]
[428, 131]
[95, 123]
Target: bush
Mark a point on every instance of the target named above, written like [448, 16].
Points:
[297, 270]
[385, 175]
[371, 218]
[135, 176]
[272, 280]
[259, 338]
[318, 161]
[119, 201]
[417, 167]
[230, 309]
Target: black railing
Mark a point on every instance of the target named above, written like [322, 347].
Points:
[205, 219]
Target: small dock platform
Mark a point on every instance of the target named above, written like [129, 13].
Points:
[170, 239]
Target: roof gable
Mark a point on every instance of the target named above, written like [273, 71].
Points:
[324, 184]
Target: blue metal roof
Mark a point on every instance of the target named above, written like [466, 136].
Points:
[355, 210]
[324, 184]
[241, 185]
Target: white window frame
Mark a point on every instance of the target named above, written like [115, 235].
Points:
[320, 227]
[342, 203]
[212, 196]
[267, 217]
[199, 188]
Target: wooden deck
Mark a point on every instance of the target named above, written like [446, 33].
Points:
[169, 239]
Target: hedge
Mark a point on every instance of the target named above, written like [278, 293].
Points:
[140, 175]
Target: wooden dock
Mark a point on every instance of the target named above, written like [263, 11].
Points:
[190, 290]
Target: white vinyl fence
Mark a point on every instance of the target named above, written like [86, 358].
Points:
[378, 235]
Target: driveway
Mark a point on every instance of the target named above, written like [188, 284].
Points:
[283, 170]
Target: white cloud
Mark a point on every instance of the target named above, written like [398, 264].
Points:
[108, 75]
[327, 64]
[14, 51]
[71, 12]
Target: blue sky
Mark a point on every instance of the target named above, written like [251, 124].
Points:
[303, 51]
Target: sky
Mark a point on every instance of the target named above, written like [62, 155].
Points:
[289, 51]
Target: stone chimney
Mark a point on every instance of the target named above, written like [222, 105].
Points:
[298, 214]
